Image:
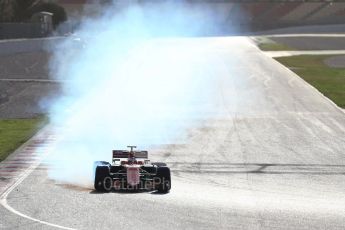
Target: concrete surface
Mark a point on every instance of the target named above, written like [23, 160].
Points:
[25, 86]
[12, 46]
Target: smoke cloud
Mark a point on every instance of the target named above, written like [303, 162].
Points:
[130, 78]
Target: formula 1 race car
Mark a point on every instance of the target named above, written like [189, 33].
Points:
[131, 170]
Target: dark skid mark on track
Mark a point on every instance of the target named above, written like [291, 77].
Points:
[255, 164]
[260, 172]
[260, 168]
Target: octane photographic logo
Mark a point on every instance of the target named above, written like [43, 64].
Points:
[110, 184]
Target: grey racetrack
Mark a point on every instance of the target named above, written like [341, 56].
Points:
[268, 153]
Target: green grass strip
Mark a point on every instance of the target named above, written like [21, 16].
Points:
[15, 132]
[329, 81]
[273, 47]
[267, 44]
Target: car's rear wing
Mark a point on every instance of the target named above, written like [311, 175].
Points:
[124, 154]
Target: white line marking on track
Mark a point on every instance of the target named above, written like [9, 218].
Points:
[274, 54]
[19, 179]
[30, 80]
[3, 199]
[304, 35]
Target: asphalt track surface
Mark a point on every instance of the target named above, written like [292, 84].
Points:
[312, 43]
[271, 156]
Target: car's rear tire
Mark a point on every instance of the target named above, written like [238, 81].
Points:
[103, 182]
[163, 179]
